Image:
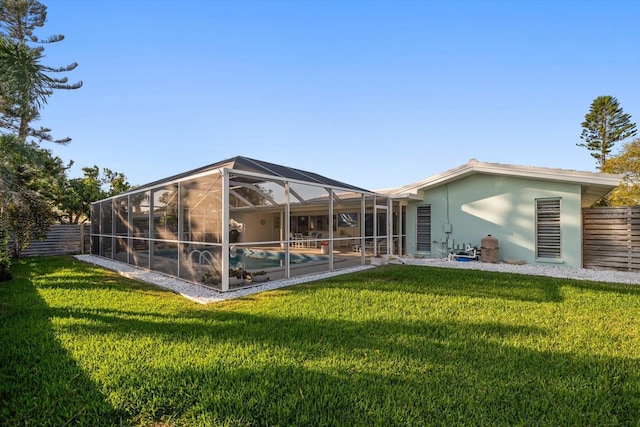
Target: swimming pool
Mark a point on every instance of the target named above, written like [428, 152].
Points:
[248, 259]
[253, 263]
[251, 259]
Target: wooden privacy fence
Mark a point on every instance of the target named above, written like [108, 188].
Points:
[62, 239]
[611, 238]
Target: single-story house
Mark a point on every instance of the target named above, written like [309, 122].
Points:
[222, 224]
[534, 213]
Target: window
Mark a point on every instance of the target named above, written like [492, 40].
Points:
[423, 230]
[306, 223]
[548, 228]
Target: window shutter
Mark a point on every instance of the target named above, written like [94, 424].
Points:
[548, 237]
[423, 230]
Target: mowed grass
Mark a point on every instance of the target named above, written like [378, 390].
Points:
[397, 345]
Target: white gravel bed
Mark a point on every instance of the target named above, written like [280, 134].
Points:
[202, 294]
[535, 270]
[206, 295]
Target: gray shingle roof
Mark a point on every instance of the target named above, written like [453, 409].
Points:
[247, 164]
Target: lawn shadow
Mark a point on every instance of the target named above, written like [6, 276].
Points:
[382, 372]
[67, 272]
[40, 383]
[450, 282]
[465, 394]
[301, 368]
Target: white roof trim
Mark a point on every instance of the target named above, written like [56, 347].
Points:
[546, 174]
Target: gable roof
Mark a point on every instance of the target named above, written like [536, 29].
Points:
[594, 184]
[247, 164]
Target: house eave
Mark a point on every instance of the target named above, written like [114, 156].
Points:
[592, 180]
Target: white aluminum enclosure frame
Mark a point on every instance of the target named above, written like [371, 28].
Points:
[226, 177]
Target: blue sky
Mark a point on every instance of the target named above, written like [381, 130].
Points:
[373, 93]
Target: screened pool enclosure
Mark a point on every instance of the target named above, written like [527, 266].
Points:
[241, 221]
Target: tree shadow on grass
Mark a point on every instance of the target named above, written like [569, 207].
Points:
[40, 383]
[450, 282]
[288, 370]
[294, 369]
[291, 368]
[471, 283]
[68, 273]
[298, 394]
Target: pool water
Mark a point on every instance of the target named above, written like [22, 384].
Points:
[253, 263]
[250, 259]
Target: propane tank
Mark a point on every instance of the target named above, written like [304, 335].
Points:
[489, 249]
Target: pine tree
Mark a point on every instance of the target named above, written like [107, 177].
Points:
[20, 107]
[604, 125]
[20, 74]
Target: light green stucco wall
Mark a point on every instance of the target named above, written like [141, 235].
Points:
[504, 207]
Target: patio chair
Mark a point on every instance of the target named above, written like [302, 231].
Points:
[358, 246]
[314, 239]
[298, 240]
[368, 245]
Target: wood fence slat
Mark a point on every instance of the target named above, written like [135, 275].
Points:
[611, 238]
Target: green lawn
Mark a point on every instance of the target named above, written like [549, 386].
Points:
[397, 345]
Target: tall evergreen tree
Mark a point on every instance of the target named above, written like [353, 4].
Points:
[30, 177]
[23, 84]
[604, 125]
[19, 19]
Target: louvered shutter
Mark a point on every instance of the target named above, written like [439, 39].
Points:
[423, 238]
[548, 237]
